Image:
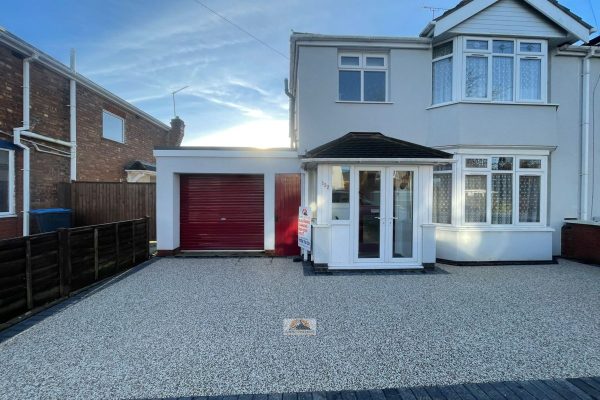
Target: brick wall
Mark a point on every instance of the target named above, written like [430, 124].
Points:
[98, 159]
[11, 93]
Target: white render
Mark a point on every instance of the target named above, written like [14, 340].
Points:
[170, 164]
[551, 127]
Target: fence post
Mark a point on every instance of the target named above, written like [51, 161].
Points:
[95, 254]
[64, 260]
[133, 241]
[28, 278]
[117, 246]
[147, 236]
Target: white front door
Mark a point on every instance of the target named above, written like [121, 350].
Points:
[385, 231]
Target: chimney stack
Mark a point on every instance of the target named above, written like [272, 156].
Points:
[177, 132]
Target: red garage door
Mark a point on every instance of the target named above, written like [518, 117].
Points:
[222, 212]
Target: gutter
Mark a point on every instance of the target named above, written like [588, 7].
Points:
[585, 135]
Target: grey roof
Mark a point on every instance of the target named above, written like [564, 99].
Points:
[373, 145]
[140, 166]
[463, 3]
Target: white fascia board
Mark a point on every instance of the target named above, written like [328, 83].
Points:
[141, 171]
[403, 161]
[561, 18]
[226, 153]
[498, 150]
[424, 45]
[462, 14]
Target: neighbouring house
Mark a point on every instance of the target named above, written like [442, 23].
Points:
[472, 142]
[57, 126]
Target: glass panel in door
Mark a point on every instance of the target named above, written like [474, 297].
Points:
[402, 227]
[369, 212]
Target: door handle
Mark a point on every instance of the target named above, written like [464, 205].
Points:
[377, 217]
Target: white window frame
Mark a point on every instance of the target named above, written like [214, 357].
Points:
[452, 174]
[122, 130]
[11, 184]
[517, 56]
[362, 67]
[542, 173]
[434, 60]
[516, 173]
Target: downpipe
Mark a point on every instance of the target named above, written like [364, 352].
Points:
[585, 135]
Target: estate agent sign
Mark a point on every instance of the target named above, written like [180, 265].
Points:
[304, 233]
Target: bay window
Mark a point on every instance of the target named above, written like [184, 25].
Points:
[6, 182]
[504, 70]
[362, 77]
[442, 194]
[442, 73]
[496, 186]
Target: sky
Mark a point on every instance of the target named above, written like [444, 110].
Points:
[142, 50]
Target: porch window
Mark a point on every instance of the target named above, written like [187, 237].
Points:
[362, 77]
[6, 182]
[442, 194]
[513, 183]
[340, 192]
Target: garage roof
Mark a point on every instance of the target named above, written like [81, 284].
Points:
[373, 145]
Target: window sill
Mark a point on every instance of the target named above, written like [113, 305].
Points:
[113, 141]
[493, 103]
[363, 102]
[499, 228]
[8, 216]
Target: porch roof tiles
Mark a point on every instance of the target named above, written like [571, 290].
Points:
[373, 145]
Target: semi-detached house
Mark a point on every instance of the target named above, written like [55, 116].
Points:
[472, 142]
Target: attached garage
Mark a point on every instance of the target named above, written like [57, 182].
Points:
[222, 212]
[213, 199]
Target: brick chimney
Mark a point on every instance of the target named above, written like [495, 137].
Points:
[177, 132]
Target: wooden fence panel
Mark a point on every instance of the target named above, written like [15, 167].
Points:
[36, 270]
[105, 202]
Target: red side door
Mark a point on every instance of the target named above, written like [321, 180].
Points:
[222, 212]
[287, 202]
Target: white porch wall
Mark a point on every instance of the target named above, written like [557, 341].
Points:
[171, 163]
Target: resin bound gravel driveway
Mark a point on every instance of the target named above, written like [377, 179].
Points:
[184, 327]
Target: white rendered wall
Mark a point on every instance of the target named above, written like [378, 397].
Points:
[170, 164]
[466, 244]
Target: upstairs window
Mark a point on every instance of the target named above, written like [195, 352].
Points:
[113, 127]
[504, 70]
[362, 77]
[442, 73]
